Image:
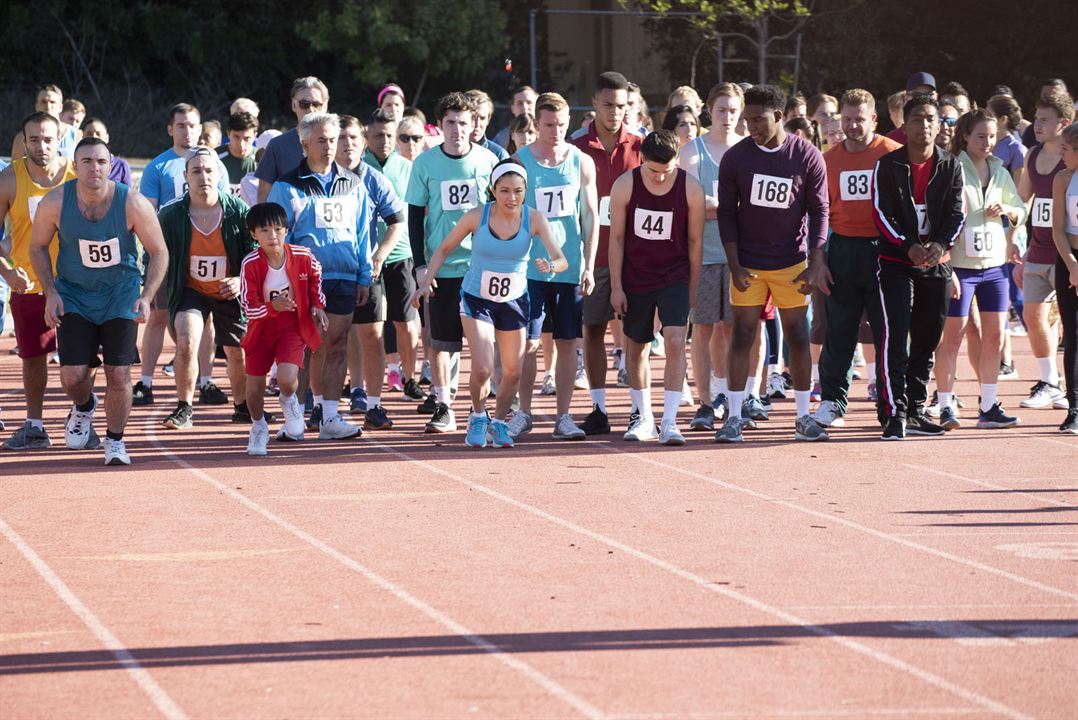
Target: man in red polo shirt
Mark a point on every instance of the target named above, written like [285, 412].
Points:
[614, 149]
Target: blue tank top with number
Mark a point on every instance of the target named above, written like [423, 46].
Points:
[555, 192]
[97, 273]
[498, 268]
[708, 171]
[1072, 205]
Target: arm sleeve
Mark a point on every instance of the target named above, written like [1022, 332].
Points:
[728, 200]
[150, 185]
[416, 215]
[1012, 201]
[279, 194]
[314, 285]
[389, 205]
[254, 307]
[954, 210]
[364, 227]
[818, 202]
[883, 207]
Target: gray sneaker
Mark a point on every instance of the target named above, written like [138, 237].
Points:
[809, 430]
[520, 423]
[731, 431]
[28, 437]
[753, 408]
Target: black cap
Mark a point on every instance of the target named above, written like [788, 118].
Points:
[920, 78]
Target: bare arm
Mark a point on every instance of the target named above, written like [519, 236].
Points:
[1059, 224]
[589, 221]
[541, 227]
[389, 241]
[468, 224]
[694, 193]
[142, 219]
[46, 223]
[1025, 187]
[619, 208]
[263, 190]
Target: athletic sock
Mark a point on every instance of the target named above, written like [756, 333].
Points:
[394, 366]
[636, 400]
[87, 406]
[945, 399]
[598, 397]
[736, 400]
[752, 386]
[772, 368]
[317, 400]
[205, 380]
[330, 410]
[146, 380]
[36, 422]
[671, 401]
[373, 401]
[815, 372]
[718, 385]
[284, 400]
[801, 400]
[1049, 373]
[114, 435]
[441, 394]
[988, 396]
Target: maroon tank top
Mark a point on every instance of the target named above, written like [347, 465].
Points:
[656, 237]
[1041, 247]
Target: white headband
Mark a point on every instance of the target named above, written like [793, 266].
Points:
[508, 168]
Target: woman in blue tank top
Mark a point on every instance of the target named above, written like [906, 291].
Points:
[494, 297]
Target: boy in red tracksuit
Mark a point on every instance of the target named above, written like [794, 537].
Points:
[281, 295]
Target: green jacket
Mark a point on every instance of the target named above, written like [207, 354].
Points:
[983, 242]
[175, 222]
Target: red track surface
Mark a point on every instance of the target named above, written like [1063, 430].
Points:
[405, 575]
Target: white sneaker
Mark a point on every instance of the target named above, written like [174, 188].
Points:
[776, 386]
[581, 380]
[827, 414]
[293, 418]
[641, 428]
[566, 429]
[78, 427]
[548, 388]
[1043, 395]
[686, 394]
[670, 435]
[116, 452]
[259, 438]
[338, 429]
[520, 423]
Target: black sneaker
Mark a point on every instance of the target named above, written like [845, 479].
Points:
[894, 430]
[722, 406]
[920, 425]
[994, 417]
[1070, 425]
[241, 414]
[442, 421]
[314, 422]
[412, 391]
[428, 406]
[596, 423]
[210, 394]
[141, 395]
[180, 418]
[949, 419]
[704, 419]
[376, 419]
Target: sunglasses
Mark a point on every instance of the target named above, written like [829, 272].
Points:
[308, 104]
[949, 121]
[411, 138]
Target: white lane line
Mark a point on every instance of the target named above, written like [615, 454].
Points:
[165, 704]
[551, 686]
[1073, 445]
[786, 617]
[796, 713]
[991, 486]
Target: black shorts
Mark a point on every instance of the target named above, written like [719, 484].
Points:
[596, 306]
[556, 308]
[443, 316]
[400, 286]
[229, 325]
[78, 340]
[374, 310]
[672, 303]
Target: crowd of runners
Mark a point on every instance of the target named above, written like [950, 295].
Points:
[783, 243]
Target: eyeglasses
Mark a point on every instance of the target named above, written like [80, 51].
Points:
[411, 138]
[949, 121]
[308, 104]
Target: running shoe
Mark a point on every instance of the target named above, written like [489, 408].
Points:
[949, 419]
[412, 391]
[315, 420]
[658, 347]
[116, 452]
[443, 420]
[1070, 424]
[596, 423]
[623, 378]
[169, 368]
[28, 437]
[337, 428]
[210, 394]
[78, 426]
[241, 414]
[580, 382]
[1007, 371]
[721, 404]
[293, 419]
[816, 394]
[394, 381]
[428, 406]
[686, 394]
[776, 386]
[520, 423]
[670, 435]
[933, 408]
[273, 389]
[873, 396]
[806, 428]
[258, 440]
[424, 374]
[617, 358]
[141, 394]
[376, 418]
[478, 424]
[753, 409]
[1042, 395]
[994, 418]
[357, 401]
[894, 430]
[566, 429]
[732, 430]
[921, 425]
[499, 434]
[180, 418]
[828, 414]
[548, 388]
[641, 428]
[704, 419]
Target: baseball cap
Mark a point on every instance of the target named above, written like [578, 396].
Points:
[920, 78]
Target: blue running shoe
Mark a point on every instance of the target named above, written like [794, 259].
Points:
[477, 430]
[499, 434]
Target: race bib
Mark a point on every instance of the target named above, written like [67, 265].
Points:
[275, 293]
[652, 224]
[771, 192]
[984, 241]
[500, 287]
[1072, 210]
[179, 185]
[855, 185]
[555, 202]
[206, 268]
[335, 213]
[604, 211]
[1042, 212]
[100, 253]
[32, 203]
[234, 189]
[459, 194]
[922, 219]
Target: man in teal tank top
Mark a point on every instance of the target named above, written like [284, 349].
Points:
[562, 188]
[94, 300]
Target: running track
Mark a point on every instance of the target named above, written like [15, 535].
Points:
[407, 576]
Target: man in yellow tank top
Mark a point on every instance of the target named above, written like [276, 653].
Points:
[22, 186]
